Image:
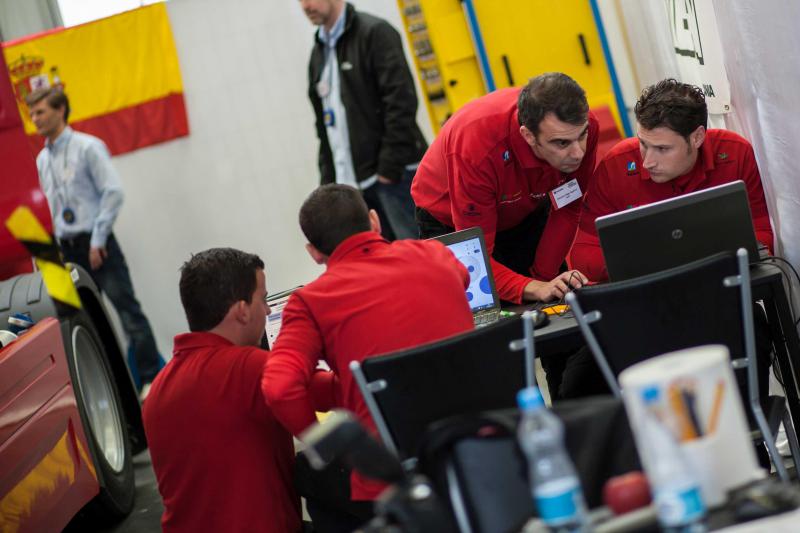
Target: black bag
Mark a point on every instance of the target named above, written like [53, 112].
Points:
[477, 467]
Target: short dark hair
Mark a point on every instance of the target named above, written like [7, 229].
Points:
[331, 214]
[671, 104]
[56, 98]
[212, 281]
[552, 92]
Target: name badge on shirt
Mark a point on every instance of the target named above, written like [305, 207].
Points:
[328, 118]
[565, 194]
[68, 215]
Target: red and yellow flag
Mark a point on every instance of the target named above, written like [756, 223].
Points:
[121, 74]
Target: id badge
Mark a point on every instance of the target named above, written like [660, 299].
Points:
[68, 215]
[329, 118]
[565, 194]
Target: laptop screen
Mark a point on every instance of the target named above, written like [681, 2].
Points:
[469, 247]
[276, 304]
[673, 232]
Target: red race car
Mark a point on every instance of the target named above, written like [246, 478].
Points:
[70, 418]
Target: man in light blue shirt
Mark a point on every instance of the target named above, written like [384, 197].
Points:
[85, 195]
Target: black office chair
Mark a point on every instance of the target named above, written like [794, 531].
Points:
[704, 302]
[477, 371]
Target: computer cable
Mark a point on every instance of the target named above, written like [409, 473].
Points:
[788, 277]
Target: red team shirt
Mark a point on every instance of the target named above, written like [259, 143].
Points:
[479, 171]
[621, 183]
[222, 461]
[374, 298]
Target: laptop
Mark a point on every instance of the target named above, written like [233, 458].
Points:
[469, 247]
[276, 304]
[673, 232]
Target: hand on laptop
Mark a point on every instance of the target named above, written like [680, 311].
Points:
[546, 291]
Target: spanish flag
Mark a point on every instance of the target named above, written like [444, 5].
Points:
[121, 75]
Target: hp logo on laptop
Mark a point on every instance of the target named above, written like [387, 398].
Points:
[677, 234]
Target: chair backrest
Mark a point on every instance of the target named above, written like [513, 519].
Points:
[685, 306]
[477, 371]
[703, 302]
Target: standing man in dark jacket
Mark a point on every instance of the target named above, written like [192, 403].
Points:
[365, 105]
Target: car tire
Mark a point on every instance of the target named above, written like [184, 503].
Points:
[103, 420]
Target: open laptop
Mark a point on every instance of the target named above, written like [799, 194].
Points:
[276, 304]
[469, 247]
[677, 231]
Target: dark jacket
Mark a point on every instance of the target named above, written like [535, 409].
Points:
[378, 95]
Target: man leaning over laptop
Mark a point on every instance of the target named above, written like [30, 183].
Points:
[674, 154]
[374, 297]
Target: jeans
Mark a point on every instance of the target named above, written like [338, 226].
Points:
[395, 207]
[114, 280]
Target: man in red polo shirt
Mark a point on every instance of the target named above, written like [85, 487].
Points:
[222, 461]
[674, 154]
[515, 162]
[374, 297]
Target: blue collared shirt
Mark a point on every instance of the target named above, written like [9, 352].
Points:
[330, 38]
[76, 175]
[330, 93]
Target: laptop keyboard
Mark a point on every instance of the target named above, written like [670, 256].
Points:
[486, 318]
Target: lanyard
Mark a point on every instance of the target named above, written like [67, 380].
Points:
[60, 182]
[325, 84]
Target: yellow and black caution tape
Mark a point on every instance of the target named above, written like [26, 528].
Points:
[25, 227]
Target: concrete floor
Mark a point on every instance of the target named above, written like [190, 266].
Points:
[146, 514]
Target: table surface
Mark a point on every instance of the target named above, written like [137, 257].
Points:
[760, 274]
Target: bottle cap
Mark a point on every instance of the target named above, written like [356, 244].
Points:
[529, 398]
[651, 394]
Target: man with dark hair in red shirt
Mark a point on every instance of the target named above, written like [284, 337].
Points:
[515, 162]
[674, 154]
[374, 297]
[222, 461]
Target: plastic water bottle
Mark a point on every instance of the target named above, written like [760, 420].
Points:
[676, 492]
[555, 486]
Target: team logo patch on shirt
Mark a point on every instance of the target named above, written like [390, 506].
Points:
[471, 211]
[506, 156]
[511, 198]
[722, 156]
[631, 166]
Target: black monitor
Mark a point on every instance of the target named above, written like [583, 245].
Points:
[676, 231]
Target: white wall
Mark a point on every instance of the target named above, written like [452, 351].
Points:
[761, 45]
[250, 159]
[24, 17]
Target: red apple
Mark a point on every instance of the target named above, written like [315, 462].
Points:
[626, 492]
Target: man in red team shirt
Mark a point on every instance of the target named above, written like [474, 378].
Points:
[374, 297]
[222, 461]
[515, 162]
[673, 154]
